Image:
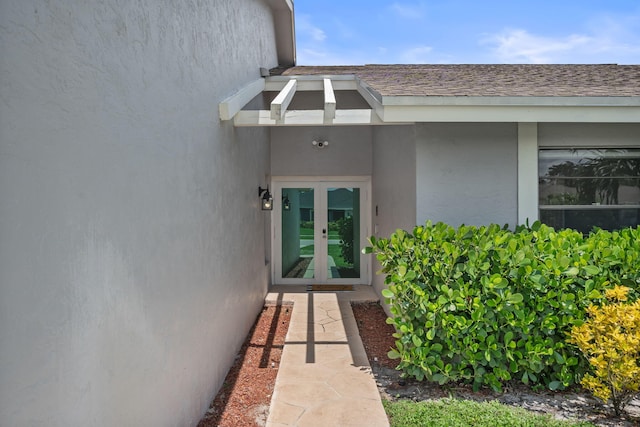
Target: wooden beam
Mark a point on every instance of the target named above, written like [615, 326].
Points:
[280, 104]
[230, 106]
[306, 118]
[329, 101]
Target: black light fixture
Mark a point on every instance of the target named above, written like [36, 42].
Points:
[266, 199]
[286, 204]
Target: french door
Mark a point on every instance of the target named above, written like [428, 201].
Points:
[320, 228]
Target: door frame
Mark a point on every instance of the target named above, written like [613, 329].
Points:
[280, 182]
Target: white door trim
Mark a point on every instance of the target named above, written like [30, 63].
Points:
[320, 183]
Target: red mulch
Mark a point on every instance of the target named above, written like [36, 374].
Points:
[376, 334]
[246, 392]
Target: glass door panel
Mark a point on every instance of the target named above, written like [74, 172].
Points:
[342, 234]
[298, 233]
[319, 230]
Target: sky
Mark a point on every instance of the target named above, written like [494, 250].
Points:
[355, 32]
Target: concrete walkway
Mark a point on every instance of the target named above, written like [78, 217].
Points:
[324, 377]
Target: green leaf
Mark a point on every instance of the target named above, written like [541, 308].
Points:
[393, 354]
[515, 298]
[554, 385]
[508, 337]
[441, 379]
[591, 270]
[402, 270]
[416, 340]
[594, 294]
[387, 293]
[431, 333]
[572, 271]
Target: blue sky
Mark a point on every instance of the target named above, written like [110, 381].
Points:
[332, 32]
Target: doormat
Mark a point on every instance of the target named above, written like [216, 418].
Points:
[329, 288]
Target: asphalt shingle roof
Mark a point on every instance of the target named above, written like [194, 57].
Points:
[490, 80]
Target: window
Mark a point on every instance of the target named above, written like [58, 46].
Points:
[586, 188]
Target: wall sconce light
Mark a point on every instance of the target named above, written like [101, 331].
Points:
[266, 199]
[286, 204]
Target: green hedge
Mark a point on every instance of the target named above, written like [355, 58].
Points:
[487, 305]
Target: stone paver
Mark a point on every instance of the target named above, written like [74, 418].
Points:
[324, 377]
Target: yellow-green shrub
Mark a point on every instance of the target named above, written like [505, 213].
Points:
[610, 340]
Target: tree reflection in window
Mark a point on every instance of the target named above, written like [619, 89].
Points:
[589, 176]
[587, 188]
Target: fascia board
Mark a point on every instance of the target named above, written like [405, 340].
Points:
[308, 118]
[511, 113]
[525, 101]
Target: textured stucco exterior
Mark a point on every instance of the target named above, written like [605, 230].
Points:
[394, 184]
[467, 173]
[583, 135]
[130, 267]
[349, 152]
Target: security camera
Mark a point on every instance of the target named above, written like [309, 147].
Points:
[320, 144]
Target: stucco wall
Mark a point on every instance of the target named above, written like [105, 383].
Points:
[588, 134]
[130, 271]
[349, 152]
[394, 184]
[467, 173]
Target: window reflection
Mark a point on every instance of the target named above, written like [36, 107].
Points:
[583, 188]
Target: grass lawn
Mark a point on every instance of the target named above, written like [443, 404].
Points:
[334, 251]
[307, 233]
[464, 413]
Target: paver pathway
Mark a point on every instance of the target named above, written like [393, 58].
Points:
[324, 377]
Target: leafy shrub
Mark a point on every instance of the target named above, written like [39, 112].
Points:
[610, 340]
[487, 305]
[345, 231]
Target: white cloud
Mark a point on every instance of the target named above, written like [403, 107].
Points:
[308, 56]
[305, 28]
[405, 11]
[516, 45]
[417, 55]
[612, 41]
